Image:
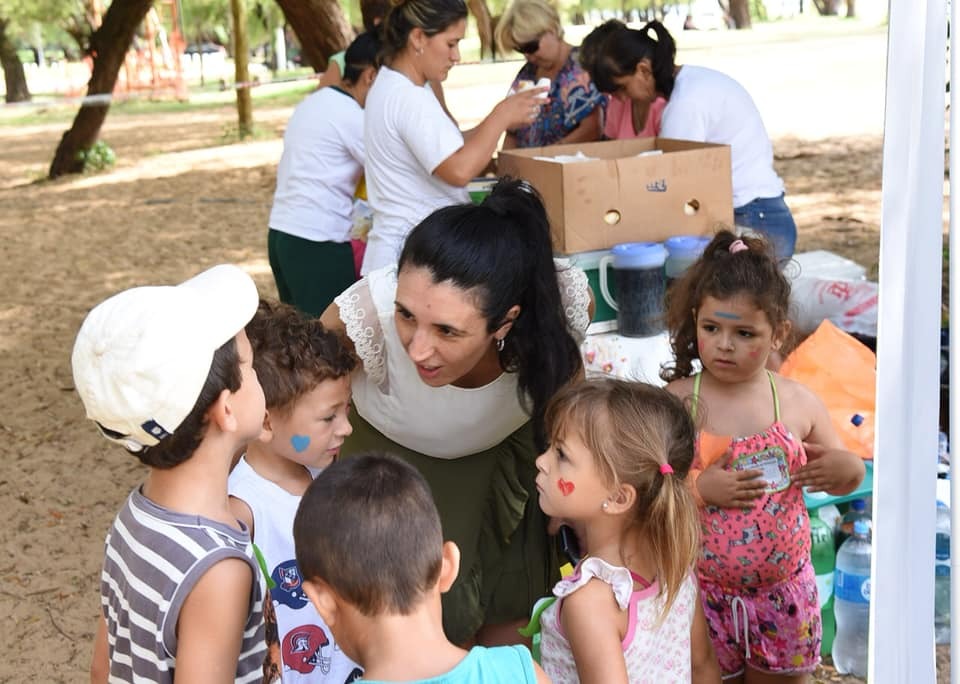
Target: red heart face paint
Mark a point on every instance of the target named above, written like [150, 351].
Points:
[566, 488]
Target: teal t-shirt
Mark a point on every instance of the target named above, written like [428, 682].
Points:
[481, 665]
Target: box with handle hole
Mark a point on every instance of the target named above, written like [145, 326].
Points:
[640, 190]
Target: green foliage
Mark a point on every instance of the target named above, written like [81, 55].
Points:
[97, 157]
[209, 20]
[49, 18]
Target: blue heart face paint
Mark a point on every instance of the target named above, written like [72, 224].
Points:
[300, 443]
[727, 315]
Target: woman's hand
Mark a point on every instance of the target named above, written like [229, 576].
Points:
[730, 489]
[479, 145]
[834, 471]
[522, 108]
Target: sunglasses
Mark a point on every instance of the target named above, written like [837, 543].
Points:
[529, 47]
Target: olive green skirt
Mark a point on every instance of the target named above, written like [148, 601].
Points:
[488, 507]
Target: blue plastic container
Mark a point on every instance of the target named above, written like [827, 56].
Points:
[641, 285]
[682, 251]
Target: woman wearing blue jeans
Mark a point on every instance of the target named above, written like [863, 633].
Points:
[771, 217]
[702, 105]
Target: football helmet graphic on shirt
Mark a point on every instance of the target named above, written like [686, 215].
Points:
[288, 590]
[305, 648]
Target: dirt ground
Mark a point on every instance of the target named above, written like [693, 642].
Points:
[177, 203]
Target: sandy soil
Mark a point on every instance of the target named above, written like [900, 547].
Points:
[177, 203]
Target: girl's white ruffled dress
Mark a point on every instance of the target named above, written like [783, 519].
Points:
[654, 653]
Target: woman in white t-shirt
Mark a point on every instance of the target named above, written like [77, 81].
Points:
[312, 215]
[703, 105]
[462, 345]
[417, 158]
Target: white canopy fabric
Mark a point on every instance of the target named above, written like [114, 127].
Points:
[908, 358]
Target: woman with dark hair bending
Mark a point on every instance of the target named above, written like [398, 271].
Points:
[462, 345]
[703, 105]
[418, 160]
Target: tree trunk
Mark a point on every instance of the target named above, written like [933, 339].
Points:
[480, 12]
[108, 46]
[826, 8]
[851, 9]
[241, 59]
[740, 13]
[13, 75]
[321, 28]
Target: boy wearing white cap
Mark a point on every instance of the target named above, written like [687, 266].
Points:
[167, 372]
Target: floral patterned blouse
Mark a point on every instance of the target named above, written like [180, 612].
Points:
[573, 97]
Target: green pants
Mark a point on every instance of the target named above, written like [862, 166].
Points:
[488, 505]
[309, 274]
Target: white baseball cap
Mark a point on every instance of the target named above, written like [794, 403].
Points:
[142, 356]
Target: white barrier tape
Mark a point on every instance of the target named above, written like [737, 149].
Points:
[105, 99]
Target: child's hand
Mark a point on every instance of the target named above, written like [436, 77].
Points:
[834, 471]
[730, 489]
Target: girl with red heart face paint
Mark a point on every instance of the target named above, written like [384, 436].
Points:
[614, 471]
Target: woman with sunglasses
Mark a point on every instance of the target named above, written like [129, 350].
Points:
[575, 110]
[703, 105]
[417, 158]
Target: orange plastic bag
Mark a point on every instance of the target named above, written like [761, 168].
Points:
[843, 373]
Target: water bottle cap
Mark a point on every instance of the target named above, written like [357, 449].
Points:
[858, 505]
[857, 420]
[687, 246]
[638, 255]
[861, 528]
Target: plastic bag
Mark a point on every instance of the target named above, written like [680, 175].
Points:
[843, 373]
[850, 304]
[825, 265]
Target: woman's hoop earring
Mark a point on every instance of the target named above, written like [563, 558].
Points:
[500, 344]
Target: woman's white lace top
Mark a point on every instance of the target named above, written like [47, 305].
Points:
[443, 422]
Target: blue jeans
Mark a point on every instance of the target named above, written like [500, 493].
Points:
[771, 217]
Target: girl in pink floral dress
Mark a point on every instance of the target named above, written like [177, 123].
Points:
[762, 438]
[614, 471]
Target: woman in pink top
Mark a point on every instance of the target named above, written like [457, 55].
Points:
[628, 118]
[631, 112]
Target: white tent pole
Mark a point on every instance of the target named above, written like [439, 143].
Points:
[901, 609]
[954, 306]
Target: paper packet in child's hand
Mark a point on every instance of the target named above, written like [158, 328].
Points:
[362, 216]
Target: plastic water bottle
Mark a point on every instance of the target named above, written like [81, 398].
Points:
[823, 555]
[858, 511]
[851, 606]
[941, 590]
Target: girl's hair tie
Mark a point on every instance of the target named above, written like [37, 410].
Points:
[666, 468]
[737, 246]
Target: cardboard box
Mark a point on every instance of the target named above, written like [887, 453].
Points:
[622, 197]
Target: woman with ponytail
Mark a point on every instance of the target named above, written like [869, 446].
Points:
[418, 160]
[463, 343]
[615, 472]
[703, 105]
